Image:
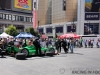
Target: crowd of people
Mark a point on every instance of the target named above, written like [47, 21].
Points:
[66, 43]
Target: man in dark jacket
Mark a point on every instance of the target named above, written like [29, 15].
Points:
[59, 45]
[37, 46]
[64, 44]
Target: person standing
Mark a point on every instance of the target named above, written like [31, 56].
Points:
[92, 41]
[68, 43]
[89, 43]
[38, 47]
[64, 44]
[57, 46]
[71, 44]
[85, 42]
[47, 43]
[81, 40]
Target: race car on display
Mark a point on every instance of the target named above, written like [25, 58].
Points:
[29, 50]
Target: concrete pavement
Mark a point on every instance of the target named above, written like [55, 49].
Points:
[82, 61]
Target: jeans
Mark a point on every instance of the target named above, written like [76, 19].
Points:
[71, 47]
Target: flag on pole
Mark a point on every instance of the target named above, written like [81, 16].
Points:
[35, 7]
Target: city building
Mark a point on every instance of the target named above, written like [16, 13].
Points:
[78, 16]
[15, 12]
[88, 17]
[57, 16]
[44, 12]
[53, 16]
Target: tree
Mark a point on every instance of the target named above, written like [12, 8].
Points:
[32, 31]
[11, 30]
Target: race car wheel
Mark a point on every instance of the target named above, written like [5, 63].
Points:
[20, 56]
[25, 51]
[52, 50]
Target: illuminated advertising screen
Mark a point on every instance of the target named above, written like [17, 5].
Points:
[23, 4]
[92, 9]
[91, 28]
[92, 5]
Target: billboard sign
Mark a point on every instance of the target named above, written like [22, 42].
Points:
[91, 16]
[23, 4]
[92, 9]
[92, 5]
[91, 28]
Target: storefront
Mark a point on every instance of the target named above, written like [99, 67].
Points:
[91, 28]
[88, 17]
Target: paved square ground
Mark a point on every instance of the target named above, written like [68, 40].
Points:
[81, 62]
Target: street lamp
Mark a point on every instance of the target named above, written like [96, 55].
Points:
[38, 28]
[73, 28]
[38, 25]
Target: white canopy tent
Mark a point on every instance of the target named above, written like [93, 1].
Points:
[5, 35]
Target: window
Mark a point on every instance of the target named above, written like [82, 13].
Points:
[1, 16]
[32, 19]
[6, 16]
[1, 28]
[91, 28]
[73, 27]
[69, 29]
[59, 29]
[13, 17]
[28, 19]
[40, 30]
[16, 18]
[48, 30]
[10, 17]
[21, 18]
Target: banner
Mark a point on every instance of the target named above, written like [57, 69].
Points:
[35, 7]
[92, 9]
[35, 4]
[64, 4]
[23, 4]
[91, 16]
[92, 5]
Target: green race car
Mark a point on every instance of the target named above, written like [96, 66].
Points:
[29, 50]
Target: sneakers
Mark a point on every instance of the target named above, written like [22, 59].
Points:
[71, 52]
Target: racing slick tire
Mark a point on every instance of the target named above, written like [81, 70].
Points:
[25, 51]
[20, 56]
[49, 54]
[2, 52]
